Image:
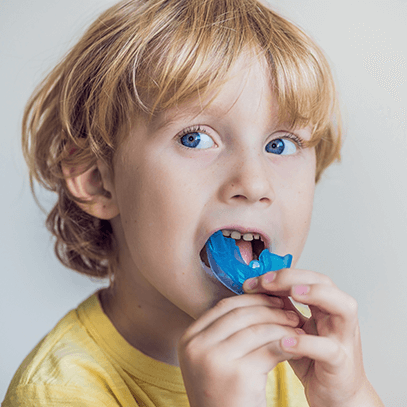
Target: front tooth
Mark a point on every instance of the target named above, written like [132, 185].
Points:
[248, 237]
[236, 235]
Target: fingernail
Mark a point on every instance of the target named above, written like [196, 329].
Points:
[299, 331]
[301, 289]
[269, 277]
[289, 342]
[252, 283]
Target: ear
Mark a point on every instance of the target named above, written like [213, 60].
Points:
[96, 186]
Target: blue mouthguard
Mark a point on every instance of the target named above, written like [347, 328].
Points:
[229, 267]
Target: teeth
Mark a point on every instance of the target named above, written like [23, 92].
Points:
[248, 237]
[237, 235]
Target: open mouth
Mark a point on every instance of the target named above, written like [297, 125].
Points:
[232, 262]
[249, 249]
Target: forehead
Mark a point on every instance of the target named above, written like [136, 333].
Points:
[248, 81]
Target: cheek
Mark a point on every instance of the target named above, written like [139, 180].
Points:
[298, 210]
[304, 197]
[297, 200]
[159, 203]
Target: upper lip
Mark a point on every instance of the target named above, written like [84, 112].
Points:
[265, 237]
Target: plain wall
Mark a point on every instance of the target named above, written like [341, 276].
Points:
[359, 232]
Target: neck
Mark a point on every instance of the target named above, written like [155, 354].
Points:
[145, 318]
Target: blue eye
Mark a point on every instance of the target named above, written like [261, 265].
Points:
[193, 139]
[281, 147]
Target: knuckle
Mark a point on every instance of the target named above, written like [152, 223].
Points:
[320, 278]
[255, 330]
[183, 341]
[223, 304]
[239, 313]
[326, 280]
[190, 349]
[337, 355]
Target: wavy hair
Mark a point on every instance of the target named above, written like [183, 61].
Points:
[143, 56]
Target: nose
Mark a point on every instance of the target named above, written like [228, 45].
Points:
[249, 178]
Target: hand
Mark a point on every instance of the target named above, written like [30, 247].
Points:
[329, 356]
[226, 354]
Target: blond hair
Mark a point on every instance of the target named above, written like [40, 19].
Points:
[143, 56]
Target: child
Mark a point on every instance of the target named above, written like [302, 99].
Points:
[168, 121]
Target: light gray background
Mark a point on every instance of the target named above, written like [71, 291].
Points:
[359, 231]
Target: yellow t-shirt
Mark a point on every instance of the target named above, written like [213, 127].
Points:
[85, 362]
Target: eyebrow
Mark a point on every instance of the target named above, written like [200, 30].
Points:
[210, 108]
[162, 121]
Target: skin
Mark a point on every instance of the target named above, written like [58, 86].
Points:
[167, 199]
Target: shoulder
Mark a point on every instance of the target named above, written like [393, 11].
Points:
[65, 364]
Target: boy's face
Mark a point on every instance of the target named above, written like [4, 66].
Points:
[174, 192]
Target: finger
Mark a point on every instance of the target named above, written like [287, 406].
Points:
[280, 282]
[266, 357]
[288, 305]
[228, 304]
[328, 300]
[321, 349]
[245, 318]
[254, 337]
